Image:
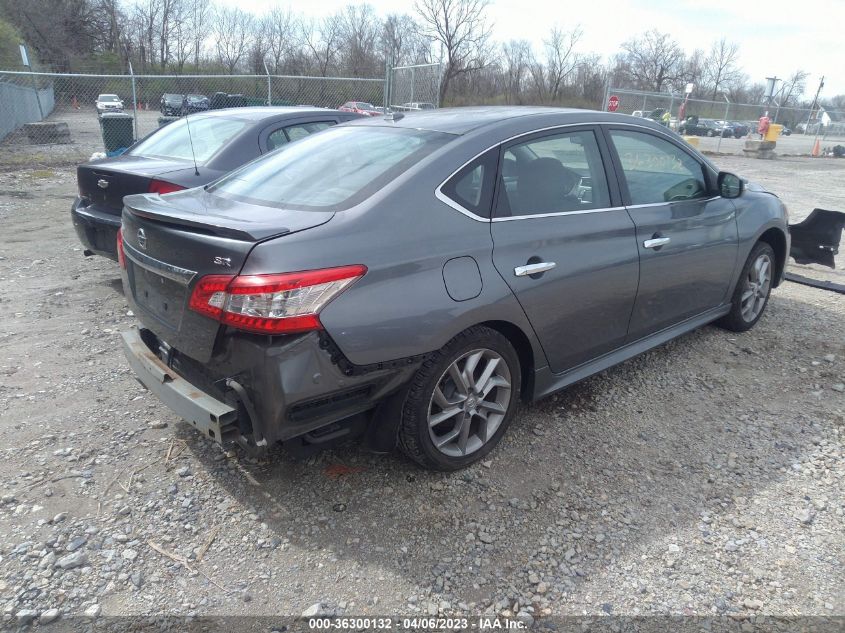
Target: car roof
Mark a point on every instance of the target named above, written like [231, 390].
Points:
[259, 113]
[464, 120]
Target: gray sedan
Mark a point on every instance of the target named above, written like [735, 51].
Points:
[413, 277]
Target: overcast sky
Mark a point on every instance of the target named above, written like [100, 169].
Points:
[775, 38]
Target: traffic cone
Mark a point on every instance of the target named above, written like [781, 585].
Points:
[75, 103]
[817, 149]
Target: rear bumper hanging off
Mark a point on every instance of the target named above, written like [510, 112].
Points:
[816, 239]
[213, 418]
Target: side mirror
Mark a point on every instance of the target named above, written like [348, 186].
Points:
[730, 185]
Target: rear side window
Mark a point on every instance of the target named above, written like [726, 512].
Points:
[301, 130]
[656, 170]
[293, 133]
[472, 187]
[558, 173]
[330, 171]
[207, 136]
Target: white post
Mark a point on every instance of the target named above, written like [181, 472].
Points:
[722, 132]
[269, 85]
[134, 103]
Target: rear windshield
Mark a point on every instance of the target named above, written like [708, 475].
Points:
[329, 171]
[208, 135]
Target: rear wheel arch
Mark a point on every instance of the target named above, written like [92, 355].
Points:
[522, 344]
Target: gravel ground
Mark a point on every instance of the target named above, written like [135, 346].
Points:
[704, 477]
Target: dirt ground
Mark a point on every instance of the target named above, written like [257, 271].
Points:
[704, 477]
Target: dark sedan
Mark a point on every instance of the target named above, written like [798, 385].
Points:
[219, 140]
[731, 128]
[196, 103]
[172, 104]
[694, 126]
[419, 275]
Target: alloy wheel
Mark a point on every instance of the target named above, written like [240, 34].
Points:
[756, 289]
[469, 402]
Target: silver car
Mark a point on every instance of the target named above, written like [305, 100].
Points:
[414, 277]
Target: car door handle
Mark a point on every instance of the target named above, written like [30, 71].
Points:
[656, 242]
[533, 269]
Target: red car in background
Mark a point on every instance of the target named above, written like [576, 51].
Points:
[360, 107]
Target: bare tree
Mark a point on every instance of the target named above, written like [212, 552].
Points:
[320, 40]
[146, 17]
[181, 46]
[561, 61]
[517, 59]
[232, 31]
[281, 29]
[111, 26]
[651, 61]
[461, 29]
[794, 86]
[721, 66]
[168, 17]
[401, 42]
[58, 31]
[197, 22]
[358, 31]
[692, 71]
[259, 47]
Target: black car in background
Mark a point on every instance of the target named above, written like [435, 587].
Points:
[172, 104]
[164, 161]
[694, 126]
[196, 103]
[740, 129]
[731, 128]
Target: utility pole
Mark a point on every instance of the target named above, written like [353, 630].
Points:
[815, 103]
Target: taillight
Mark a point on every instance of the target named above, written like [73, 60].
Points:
[121, 256]
[272, 304]
[162, 186]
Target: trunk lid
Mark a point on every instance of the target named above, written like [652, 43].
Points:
[106, 182]
[174, 240]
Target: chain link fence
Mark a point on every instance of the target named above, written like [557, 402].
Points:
[802, 127]
[414, 87]
[50, 118]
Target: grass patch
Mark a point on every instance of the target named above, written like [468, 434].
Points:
[41, 173]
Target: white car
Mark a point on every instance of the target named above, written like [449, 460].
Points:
[108, 103]
[419, 105]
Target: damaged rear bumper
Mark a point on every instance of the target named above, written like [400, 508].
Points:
[257, 390]
[212, 417]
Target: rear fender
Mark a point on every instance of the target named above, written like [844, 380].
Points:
[816, 239]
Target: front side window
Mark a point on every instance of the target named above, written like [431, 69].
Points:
[553, 174]
[330, 171]
[656, 170]
[206, 134]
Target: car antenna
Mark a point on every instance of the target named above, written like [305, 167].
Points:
[191, 141]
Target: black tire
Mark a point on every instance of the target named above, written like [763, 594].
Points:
[414, 437]
[734, 320]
